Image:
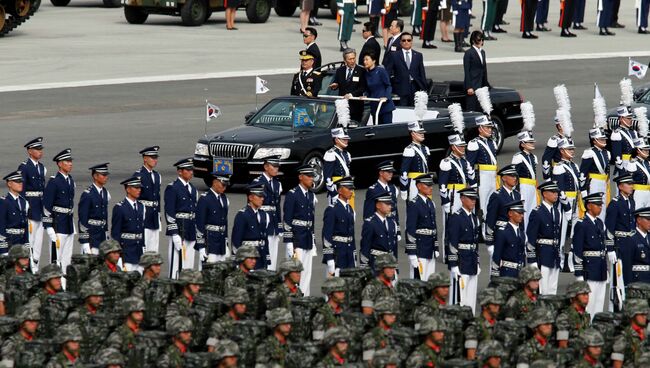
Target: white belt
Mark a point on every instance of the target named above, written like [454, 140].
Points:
[593, 253]
[462, 246]
[302, 223]
[640, 268]
[377, 252]
[255, 243]
[342, 239]
[33, 194]
[15, 231]
[131, 236]
[268, 208]
[425, 232]
[149, 203]
[185, 215]
[623, 234]
[547, 241]
[502, 223]
[509, 264]
[63, 210]
[218, 228]
[96, 222]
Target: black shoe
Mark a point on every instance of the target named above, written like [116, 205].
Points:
[580, 27]
[472, 16]
[542, 29]
[427, 46]
[529, 36]
[446, 41]
[609, 33]
[499, 30]
[643, 31]
[566, 33]
[572, 34]
[618, 25]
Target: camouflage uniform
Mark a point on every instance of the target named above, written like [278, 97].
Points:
[15, 342]
[173, 356]
[331, 338]
[182, 306]
[591, 337]
[481, 329]
[570, 323]
[69, 332]
[15, 253]
[431, 307]
[123, 338]
[385, 357]
[271, 352]
[47, 273]
[628, 346]
[326, 317]
[110, 356]
[376, 288]
[377, 338]
[281, 296]
[425, 355]
[489, 349]
[81, 315]
[146, 260]
[239, 278]
[533, 349]
[520, 304]
[225, 348]
[223, 327]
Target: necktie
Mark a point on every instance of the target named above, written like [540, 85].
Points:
[68, 180]
[189, 190]
[385, 224]
[20, 208]
[304, 74]
[135, 207]
[408, 60]
[349, 74]
[153, 178]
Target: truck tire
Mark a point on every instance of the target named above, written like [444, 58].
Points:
[135, 14]
[258, 11]
[193, 13]
[285, 8]
[112, 3]
[35, 5]
[60, 2]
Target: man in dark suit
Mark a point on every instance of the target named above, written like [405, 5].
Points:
[406, 70]
[370, 45]
[393, 44]
[475, 66]
[350, 79]
[309, 38]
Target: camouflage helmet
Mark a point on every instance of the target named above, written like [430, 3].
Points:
[632, 307]
[386, 305]
[110, 356]
[490, 348]
[49, 272]
[543, 363]
[333, 284]
[385, 357]
[187, 277]
[149, 259]
[529, 273]
[237, 295]
[246, 251]
[278, 316]
[18, 251]
[576, 288]
[386, 260]
[539, 316]
[431, 324]
[133, 304]
[490, 296]
[108, 246]
[179, 324]
[91, 287]
[226, 348]
[334, 335]
[29, 312]
[437, 280]
[592, 337]
[290, 265]
[69, 332]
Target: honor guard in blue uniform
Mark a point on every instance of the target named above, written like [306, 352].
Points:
[461, 20]
[379, 232]
[93, 211]
[150, 197]
[567, 176]
[591, 254]
[212, 221]
[642, 8]
[299, 211]
[180, 209]
[509, 243]
[422, 231]
[594, 168]
[58, 209]
[415, 161]
[639, 168]
[604, 16]
[336, 162]
[383, 184]
[127, 224]
[249, 227]
[339, 250]
[543, 237]
[34, 173]
[464, 230]
[272, 206]
[482, 155]
[551, 154]
[497, 211]
[623, 139]
[638, 267]
[620, 223]
[526, 163]
[14, 227]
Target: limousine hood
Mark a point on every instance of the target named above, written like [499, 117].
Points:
[254, 135]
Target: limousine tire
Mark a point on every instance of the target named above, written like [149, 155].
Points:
[498, 132]
[316, 159]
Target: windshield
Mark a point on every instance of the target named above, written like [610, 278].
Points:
[645, 99]
[295, 114]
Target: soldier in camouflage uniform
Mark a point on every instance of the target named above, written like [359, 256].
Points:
[246, 257]
[28, 318]
[110, 358]
[328, 315]
[574, 319]
[382, 285]
[50, 276]
[386, 310]
[593, 347]
[226, 354]
[482, 328]
[110, 250]
[180, 328]
[273, 351]
[385, 358]
[182, 305]
[237, 299]
[69, 337]
[336, 340]
[429, 353]
[280, 297]
[92, 294]
[490, 353]
[439, 286]
[540, 321]
[523, 301]
[19, 256]
[631, 342]
[124, 337]
[150, 263]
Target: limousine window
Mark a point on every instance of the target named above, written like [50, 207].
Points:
[290, 114]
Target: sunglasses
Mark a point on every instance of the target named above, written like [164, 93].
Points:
[409, 40]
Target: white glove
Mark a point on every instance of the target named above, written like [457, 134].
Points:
[446, 207]
[571, 267]
[289, 250]
[425, 8]
[455, 12]
[436, 254]
[612, 257]
[331, 267]
[580, 278]
[534, 264]
[178, 242]
[203, 254]
[341, 12]
[478, 269]
[455, 272]
[413, 259]
[583, 193]
[404, 195]
[563, 198]
[490, 250]
[469, 11]
[399, 238]
[85, 248]
[51, 233]
[383, 11]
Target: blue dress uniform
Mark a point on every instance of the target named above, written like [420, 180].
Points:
[551, 154]
[642, 15]
[14, 227]
[33, 173]
[415, 162]
[622, 139]
[594, 168]
[212, 221]
[127, 226]
[640, 170]
[338, 232]
[249, 228]
[638, 268]
[620, 224]
[497, 212]
[272, 207]
[422, 232]
[150, 198]
[378, 235]
[93, 214]
[604, 14]
[526, 165]
[567, 176]
[461, 10]
[336, 163]
[379, 187]
[482, 155]
[509, 247]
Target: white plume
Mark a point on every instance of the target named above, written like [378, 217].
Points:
[642, 120]
[562, 97]
[483, 96]
[343, 112]
[627, 92]
[421, 99]
[456, 117]
[528, 114]
[600, 112]
[565, 121]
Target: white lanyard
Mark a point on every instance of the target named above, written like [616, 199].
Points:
[489, 151]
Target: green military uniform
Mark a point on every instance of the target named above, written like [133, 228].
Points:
[81, 315]
[376, 288]
[15, 253]
[271, 352]
[66, 333]
[173, 356]
[182, 306]
[15, 342]
[631, 343]
[346, 20]
[123, 338]
[61, 361]
[223, 327]
[520, 303]
[591, 337]
[489, 349]
[102, 271]
[225, 348]
[239, 278]
[432, 306]
[535, 349]
[147, 260]
[280, 296]
[426, 355]
[570, 322]
[141, 287]
[110, 356]
[377, 338]
[385, 357]
[331, 338]
[482, 329]
[47, 273]
[327, 317]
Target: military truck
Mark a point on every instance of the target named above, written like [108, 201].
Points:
[192, 12]
[13, 13]
[107, 3]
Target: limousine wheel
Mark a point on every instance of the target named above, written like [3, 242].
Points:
[497, 132]
[315, 159]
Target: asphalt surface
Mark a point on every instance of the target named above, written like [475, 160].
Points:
[112, 123]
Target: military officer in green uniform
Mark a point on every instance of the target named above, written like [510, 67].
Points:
[439, 286]
[593, 348]
[110, 358]
[151, 263]
[93, 296]
[110, 250]
[490, 353]
[307, 81]
[50, 277]
[482, 328]
[540, 321]
[328, 315]
[280, 297]
[226, 354]
[574, 318]
[386, 311]
[237, 299]
[336, 341]
[523, 301]
[124, 337]
[69, 337]
[429, 353]
[182, 305]
[382, 285]
[180, 328]
[273, 351]
[246, 257]
[631, 343]
[28, 318]
[19, 256]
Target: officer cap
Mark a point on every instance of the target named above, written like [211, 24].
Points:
[256, 189]
[110, 356]
[133, 304]
[438, 279]
[385, 357]
[490, 296]
[636, 306]
[468, 192]
[68, 332]
[529, 273]
[641, 144]
[623, 111]
[36, 143]
[517, 206]
[425, 179]
[49, 272]
[597, 133]
[539, 316]
[592, 337]
[431, 324]
[624, 178]
[28, 312]
[490, 348]
[543, 363]
[179, 324]
[185, 163]
[483, 121]
[133, 181]
[306, 55]
[150, 151]
[576, 288]
[340, 133]
[386, 166]
[108, 246]
[386, 305]
[456, 140]
[642, 212]
[346, 182]
[246, 251]
[509, 170]
[17, 252]
[278, 316]
[224, 179]
[65, 155]
[549, 186]
[92, 287]
[383, 196]
[290, 265]
[332, 285]
[187, 277]
[415, 127]
[566, 143]
[272, 160]
[226, 348]
[526, 137]
[308, 170]
[149, 259]
[386, 260]
[237, 295]
[594, 198]
[100, 168]
[14, 176]
[334, 335]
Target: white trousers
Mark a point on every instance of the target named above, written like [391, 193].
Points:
[488, 185]
[427, 268]
[529, 196]
[274, 242]
[596, 297]
[641, 198]
[596, 186]
[36, 231]
[151, 240]
[306, 257]
[64, 253]
[128, 267]
[176, 258]
[468, 290]
[548, 283]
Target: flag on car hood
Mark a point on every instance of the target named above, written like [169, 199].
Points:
[637, 69]
[211, 111]
[260, 86]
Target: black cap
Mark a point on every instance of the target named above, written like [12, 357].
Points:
[386, 166]
[516, 206]
[133, 181]
[150, 151]
[594, 198]
[549, 186]
[642, 212]
[468, 192]
[272, 160]
[36, 143]
[186, 163]
[425, 179]
[13, 176]
[624, 179]
[383, 196]
[306, 170]
[255, 189]
[510, 170]
[100, 169]
[65, 155]
[346, 181]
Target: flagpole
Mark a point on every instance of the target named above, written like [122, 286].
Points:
[207, 117]
[256, 92]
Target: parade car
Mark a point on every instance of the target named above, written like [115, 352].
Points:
[192, 12]
[641, 98]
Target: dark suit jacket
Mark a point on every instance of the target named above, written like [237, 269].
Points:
[395, 46]
[371, 45]
[475, 70]
[356, 86]
[396, 68]
[313, 48]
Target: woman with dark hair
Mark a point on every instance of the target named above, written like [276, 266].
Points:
[378, 86]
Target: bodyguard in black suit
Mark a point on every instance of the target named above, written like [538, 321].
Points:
[309, 38]
[370, 45]
[350, 79]
[475, 66]
[406, 69]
